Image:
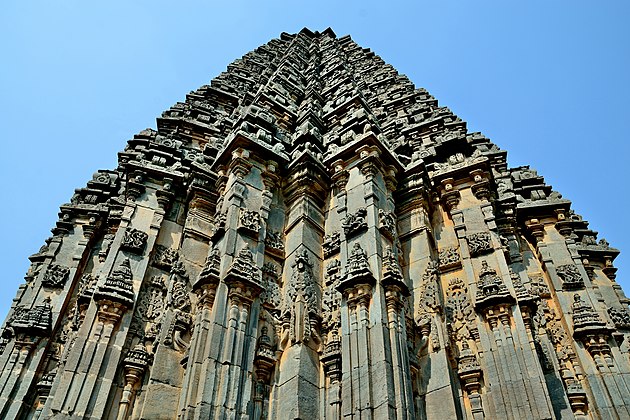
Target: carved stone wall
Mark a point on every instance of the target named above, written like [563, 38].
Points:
[311, 236]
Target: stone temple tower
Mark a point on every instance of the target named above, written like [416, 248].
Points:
[310, 236]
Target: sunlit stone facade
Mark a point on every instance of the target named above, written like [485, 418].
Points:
[311, 236]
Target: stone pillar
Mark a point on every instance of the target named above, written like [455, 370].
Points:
[101, 333]
[297, 390]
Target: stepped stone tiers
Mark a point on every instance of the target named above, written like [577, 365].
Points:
[312, 237]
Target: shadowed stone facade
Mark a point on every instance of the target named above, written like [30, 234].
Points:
[310, 236]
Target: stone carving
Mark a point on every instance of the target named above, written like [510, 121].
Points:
[118, 286]
[470, 374]
[32, 323]
[218, 228]
[264, 361]
[179, 298]
[539, 286]
[570, 276]
[270, 296]
[33, 271]
[354, 223]
[620, 317]
[55, 276]
[212, 268]
[105, 245]
[331, 244]
[150, 310]
[459, 311]
[387, 223]
[164, 257]
[456, 161]
[134, 364]
[430, 299]
[331, 299]
[429, 304]
[245, 272]
[134, 241]
[585, 319]
[274, 242]
[331, 358]
[301, 303]
[181, 305]
[479, 243]
[490, 288]
[449, 258]
[565, 354]
[87, 285]
[249, 221]
[357, 269]
[523, 295]
[311, 134]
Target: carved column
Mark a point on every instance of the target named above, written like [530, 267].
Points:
[356, 288]
[134, 366]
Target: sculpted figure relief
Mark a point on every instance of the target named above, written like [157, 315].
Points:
[301, 303]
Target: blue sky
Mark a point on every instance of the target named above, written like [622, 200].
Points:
[548, 81]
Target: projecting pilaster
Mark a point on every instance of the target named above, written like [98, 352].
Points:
[297, 390]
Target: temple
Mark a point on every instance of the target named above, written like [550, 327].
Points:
[310, 236]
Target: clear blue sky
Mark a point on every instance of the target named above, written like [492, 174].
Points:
[549, 81]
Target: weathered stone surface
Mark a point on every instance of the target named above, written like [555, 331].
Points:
[311, 236]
